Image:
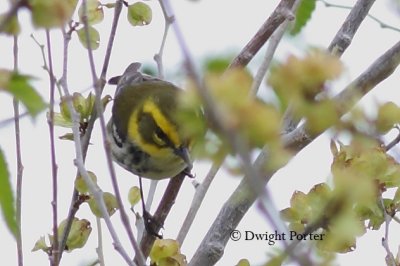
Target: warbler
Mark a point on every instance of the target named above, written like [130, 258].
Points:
[144, 134]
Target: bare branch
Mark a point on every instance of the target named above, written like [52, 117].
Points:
[394, 142]
[162, 211]
[99, 249]
[390, 260]
[280, 14]
[350, 26]
[158, 57]
[20, 166]
[269, 53]
[10, 120]
[74, 207]
[54, 254]
[382, 24]
[274, 41]
[199, 195]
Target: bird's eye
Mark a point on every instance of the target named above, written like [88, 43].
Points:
[159, 137]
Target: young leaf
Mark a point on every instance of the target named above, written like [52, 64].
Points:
[94, 38]
[139, 14]
[12, 27]
[94, 12]
[51, 13]
[6, 196]
[303, 15]
[19, 87]
[134, 195]
[78, 235]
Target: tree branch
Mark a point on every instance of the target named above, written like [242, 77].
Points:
[168, 20]
[197, 200]
[20, 166]
[382, 24]
[54, 168]
[345, 35]
[278, 16]
[162, 211]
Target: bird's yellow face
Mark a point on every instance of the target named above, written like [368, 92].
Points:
[156, 134]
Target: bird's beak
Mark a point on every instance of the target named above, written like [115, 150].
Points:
[183, 152]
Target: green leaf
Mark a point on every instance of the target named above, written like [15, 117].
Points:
[19, 87]
[6, 196]
[51, 13]
[139, 14]
[94, 38]
[134, 195]
[95, 13]
[12, 27]
[217, 64]
[303, 15]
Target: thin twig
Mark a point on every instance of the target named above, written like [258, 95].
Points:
[197, 200]
[20, 166]
[278, 16]
[45, 65]
[99, 249]
[64, 85]
[10, 120]
[99, 109]
[346, 33]
[394, 142]
[158, 57]
[272, 46]
[382, 24]
[269, 53]
[390, 260]
[54, 254]
[151, 193]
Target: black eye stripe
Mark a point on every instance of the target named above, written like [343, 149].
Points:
[160, 134]
[155, 129]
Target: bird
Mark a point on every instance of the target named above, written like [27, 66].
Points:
[144, 134]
